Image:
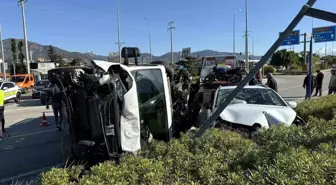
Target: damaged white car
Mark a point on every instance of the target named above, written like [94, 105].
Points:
[253, 108]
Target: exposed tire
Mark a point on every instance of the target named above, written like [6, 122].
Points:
[255, 130]
[18, 98]
[43, 102]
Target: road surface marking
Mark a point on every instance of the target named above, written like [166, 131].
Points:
[7, 180]
[30, 134]
[23, 109]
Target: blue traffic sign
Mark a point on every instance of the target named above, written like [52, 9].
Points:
[292, 39]
[324, 34]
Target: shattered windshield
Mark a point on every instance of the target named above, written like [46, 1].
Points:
[256, 96]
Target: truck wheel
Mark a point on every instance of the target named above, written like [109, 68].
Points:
[18, 98]
[43, 102]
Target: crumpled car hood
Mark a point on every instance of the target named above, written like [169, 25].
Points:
[265, 115]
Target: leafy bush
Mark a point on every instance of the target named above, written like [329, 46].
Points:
[268, 69]
[324, 108]
[278, 155]
[295, 67]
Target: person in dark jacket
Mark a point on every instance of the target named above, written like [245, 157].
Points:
[313, 85]
[271, 83]
[319, 82]
[57, 104]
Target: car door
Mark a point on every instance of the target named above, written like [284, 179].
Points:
[12, 90]
[154, 100]
[5, 88]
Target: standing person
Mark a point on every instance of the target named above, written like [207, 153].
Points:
[319, 82]
[312, 87]
[259, 76]
[57, 105]
[332, 83]
[2, 114]
[271, 83]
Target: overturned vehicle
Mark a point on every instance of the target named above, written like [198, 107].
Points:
[114, 108]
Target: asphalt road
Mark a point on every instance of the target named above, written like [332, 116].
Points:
[27, 147]
[31, 149]
[290, 86]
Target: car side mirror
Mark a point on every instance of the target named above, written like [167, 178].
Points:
[292, 104]
[5, 88]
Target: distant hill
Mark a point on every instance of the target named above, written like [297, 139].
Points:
[41, 51]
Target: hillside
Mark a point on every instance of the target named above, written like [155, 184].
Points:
[41, 51]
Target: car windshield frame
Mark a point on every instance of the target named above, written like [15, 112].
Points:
[252, 96]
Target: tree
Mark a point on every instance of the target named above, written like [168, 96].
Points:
[75, 62]
[60, 61]
[285, 58]
[14, 56]
[53, 56]
[23, 68]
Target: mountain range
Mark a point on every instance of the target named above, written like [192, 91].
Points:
[41, 51]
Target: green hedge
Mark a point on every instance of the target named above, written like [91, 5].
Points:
[269, 69]
[279, 155]
[324, 108]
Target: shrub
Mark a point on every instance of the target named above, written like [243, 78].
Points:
[324, 108]
[295, 67]
[268, 69]
[278, 155]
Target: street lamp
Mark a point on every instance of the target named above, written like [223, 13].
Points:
[246, 39]
[149, 39]
[234, 31]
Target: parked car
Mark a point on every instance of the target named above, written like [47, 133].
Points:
[39, 85]
[253, 108]
[12, 91]
[23, 81]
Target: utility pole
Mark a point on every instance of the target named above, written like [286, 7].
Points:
[246, 39]
[149, 39]
[305, 48]
[118, 22]
[170, 29]
[325, 51]
[310, 68]
[22, 2]
[2, 55]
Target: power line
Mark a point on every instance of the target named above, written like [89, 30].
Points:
[170, 29]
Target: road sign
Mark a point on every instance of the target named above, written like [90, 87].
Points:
[292, 39]
[324, 34]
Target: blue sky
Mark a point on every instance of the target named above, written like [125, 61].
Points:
[90, 25]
